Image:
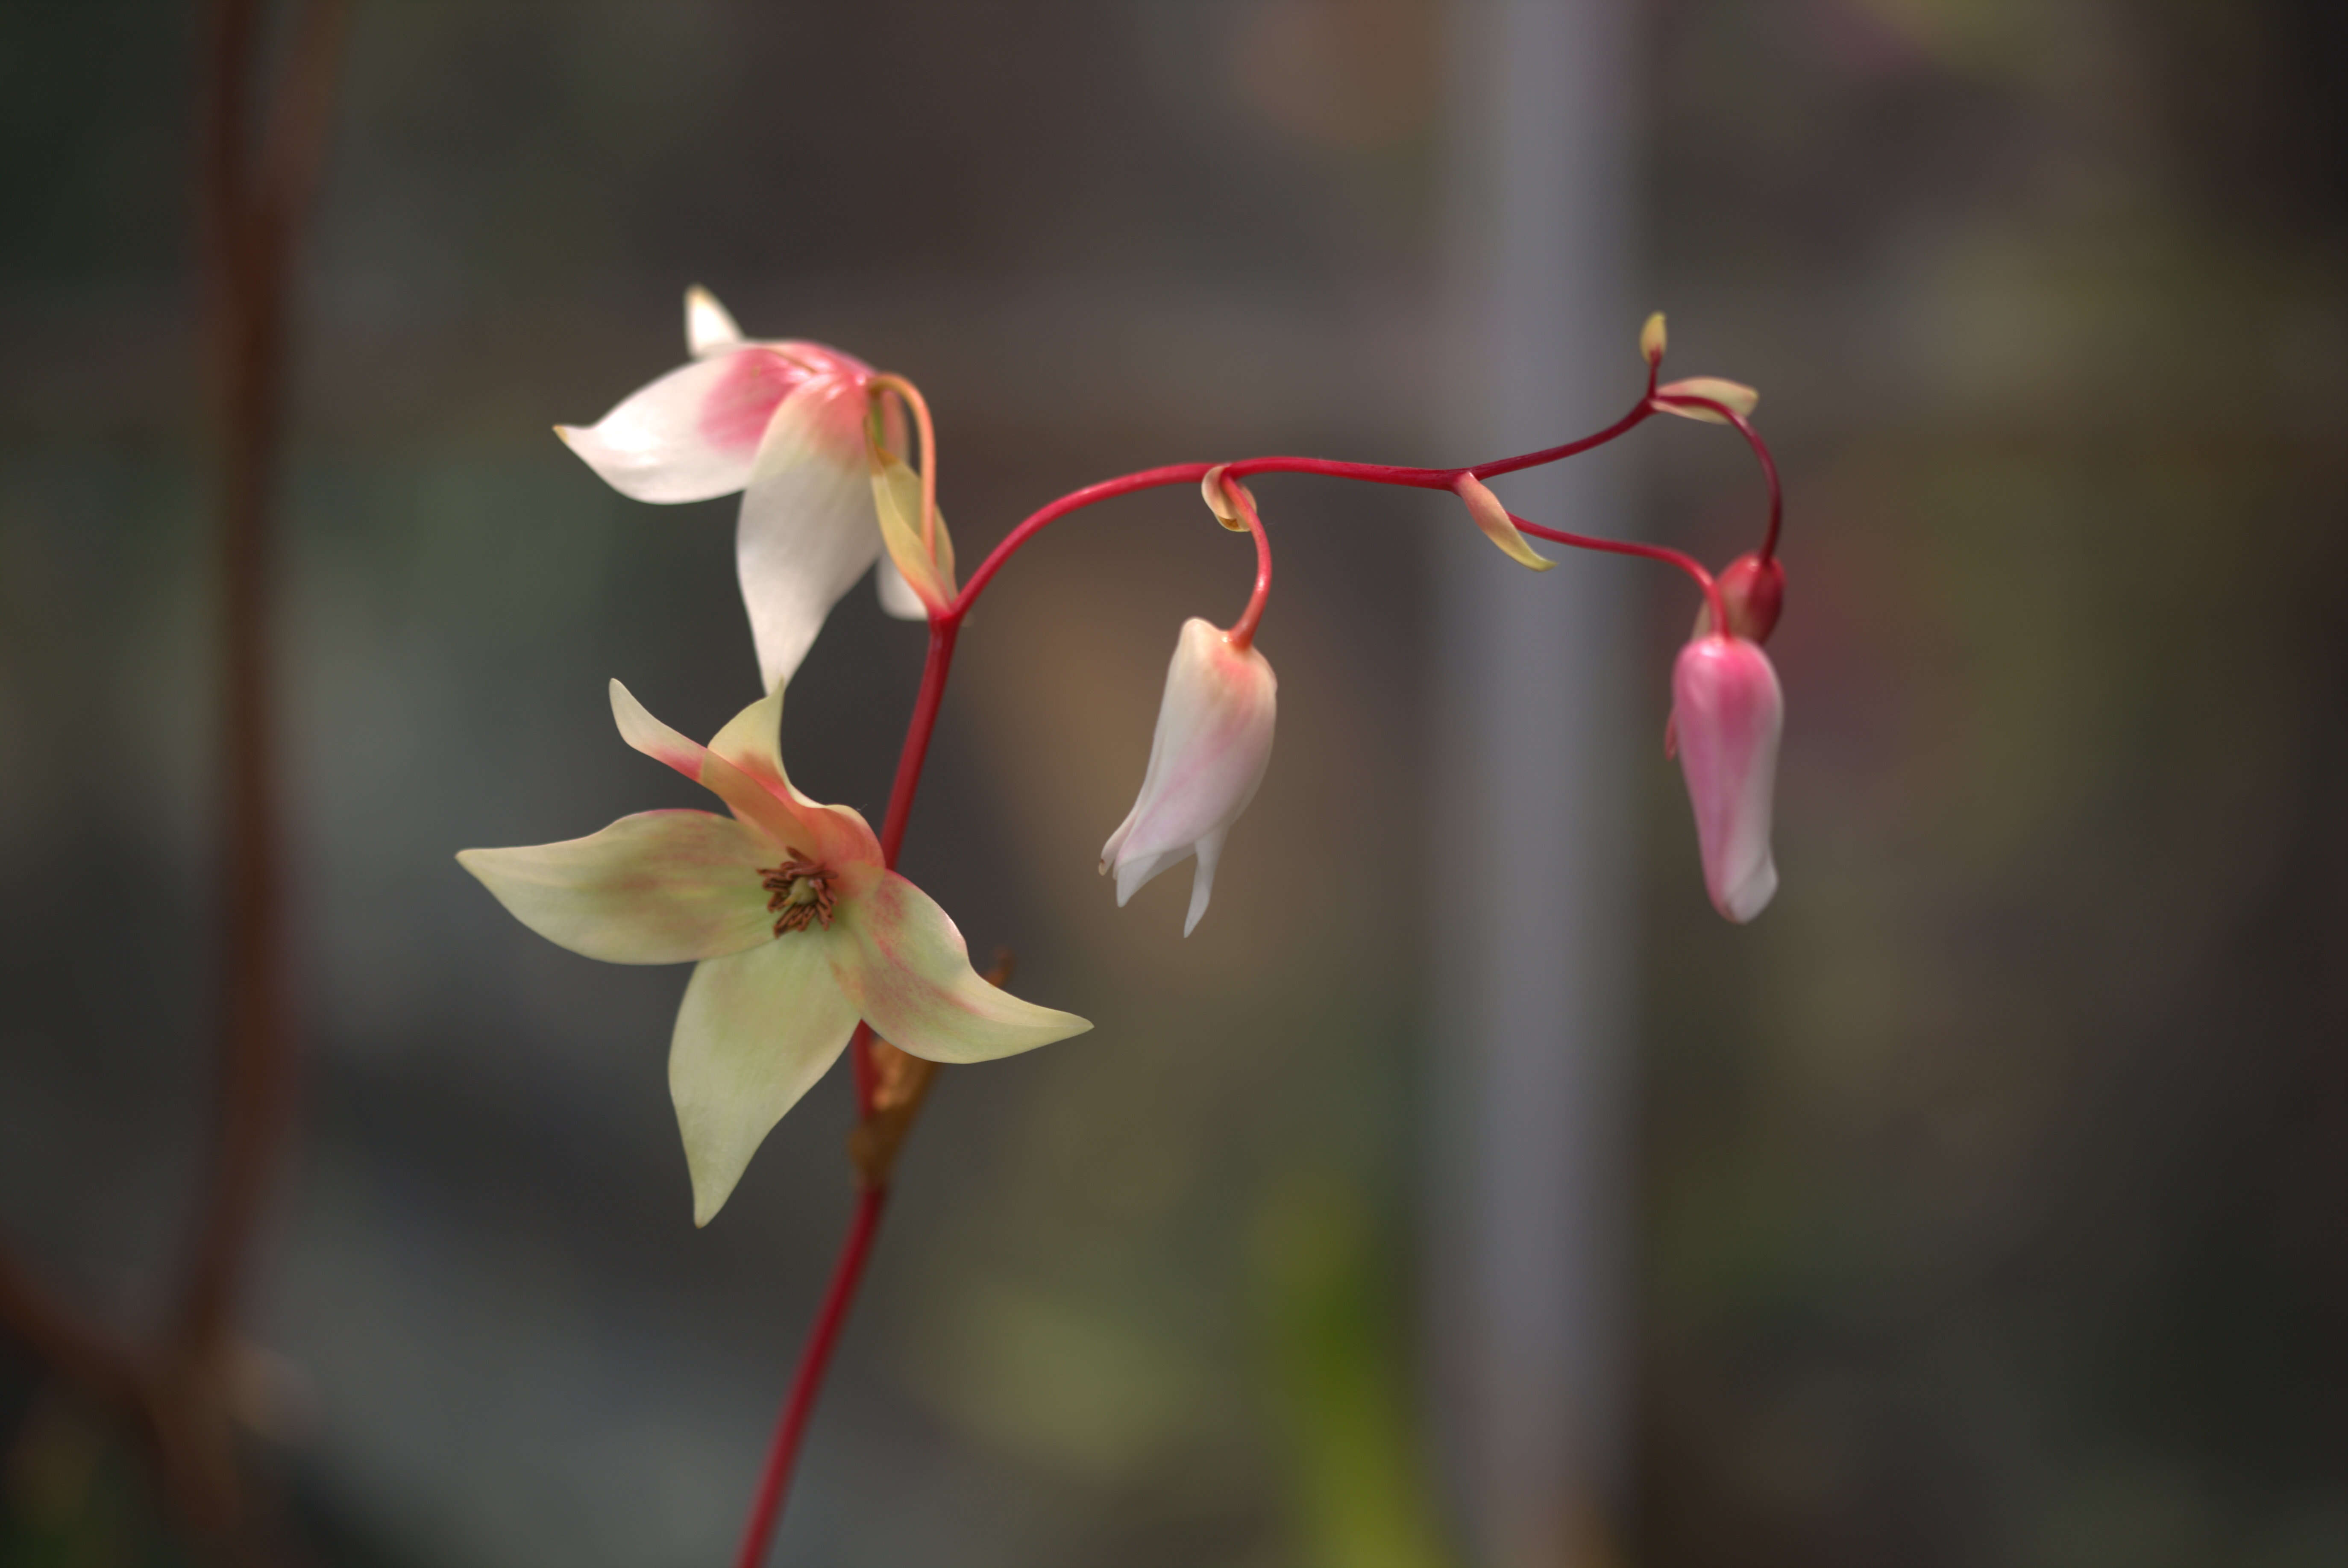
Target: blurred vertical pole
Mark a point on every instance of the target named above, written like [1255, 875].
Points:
[1530, 1236]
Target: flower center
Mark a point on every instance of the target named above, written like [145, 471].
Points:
[800, 893]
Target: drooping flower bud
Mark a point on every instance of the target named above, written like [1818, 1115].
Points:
[1729, 711]
[1208, 754]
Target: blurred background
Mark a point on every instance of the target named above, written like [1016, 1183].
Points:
[1984, 1202]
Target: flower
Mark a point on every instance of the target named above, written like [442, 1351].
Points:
[1729, 712]
[1208, 754]
[795, 928]
[782, 422]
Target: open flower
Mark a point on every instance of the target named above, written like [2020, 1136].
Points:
[1729, 711]
[797, 928]
[1208, 754]
[782, 422]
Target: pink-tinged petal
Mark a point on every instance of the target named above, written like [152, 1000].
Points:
[1208, 754]
[648, 734]
[662, 887]
[808, 529]
[904, 964]
[758, 1028]
[1728, 394]
[1498, 525]
[694, 433]
[709, 326]
[1729, 711]
[751, 746]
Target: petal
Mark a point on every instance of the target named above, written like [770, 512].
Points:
[900, 958]
[1137, 872]
[1211, 747]
[756, 1031]
[661, 887]
[1729, 393]
[928, 568]
[694, 433]
[751, 743]
[648, 734]
[808, 529]
[1202, 880]
[898, 599]
[709, 326]
[1498, 525]
[1729, 712]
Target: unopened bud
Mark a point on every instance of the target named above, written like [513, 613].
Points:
[1651, 339]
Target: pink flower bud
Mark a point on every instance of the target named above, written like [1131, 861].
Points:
[1213, 741]
[1729, 711]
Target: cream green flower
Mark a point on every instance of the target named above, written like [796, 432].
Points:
[795, 927]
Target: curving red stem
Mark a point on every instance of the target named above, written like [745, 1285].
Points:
[945, 627]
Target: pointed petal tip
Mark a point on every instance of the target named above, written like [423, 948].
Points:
[708, 325]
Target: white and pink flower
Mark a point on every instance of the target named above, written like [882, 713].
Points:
[782, 422]
[1208, 754]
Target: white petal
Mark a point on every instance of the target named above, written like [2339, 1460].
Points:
[1202, 880]
[1212, 744]
[709, 326]
[807, 532]
[661, 887]
[897, 596]
[693, 434]
[901, 958]
[755, 1033]
[1136, 873]
[648, 734]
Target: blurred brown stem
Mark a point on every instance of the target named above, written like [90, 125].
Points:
[254, 195]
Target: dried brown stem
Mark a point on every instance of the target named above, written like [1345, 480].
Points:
[253, 197]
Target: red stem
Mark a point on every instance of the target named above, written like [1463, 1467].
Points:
[945, 627]
[1760, 449]
[1191, 473]
[1242, 633]
[774, 1480]
[1681, 559]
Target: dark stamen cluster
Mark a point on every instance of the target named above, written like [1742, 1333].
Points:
[800, 893]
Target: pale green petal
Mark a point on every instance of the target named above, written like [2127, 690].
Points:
[661, 887]
[648, 734]
[900, 957]
[751, 746]
[757, 1030]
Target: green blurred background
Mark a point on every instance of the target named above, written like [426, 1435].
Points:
[1992, 1191]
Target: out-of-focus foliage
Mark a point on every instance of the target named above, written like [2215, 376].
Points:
[1993, 1180]
[1998, 1182]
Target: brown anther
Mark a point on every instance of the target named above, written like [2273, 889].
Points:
[800, 893]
